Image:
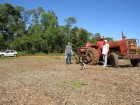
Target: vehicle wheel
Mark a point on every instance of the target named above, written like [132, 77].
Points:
[92, 56]
[2, 55]
[134, 62]
[113, 60]
[15, 55]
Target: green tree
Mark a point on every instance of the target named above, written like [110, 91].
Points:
[36, 15]
[94, 38]
[10, 22]
[49, 20]
[79, 37]
[110, 39]
[60, 40]
[38, 31]
[35, 34]
[49, 23]
[69, 23]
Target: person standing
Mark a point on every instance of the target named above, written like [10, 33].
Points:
[100, 42]
[105, 50]
[68, 53]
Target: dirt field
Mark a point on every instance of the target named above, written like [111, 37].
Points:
[49, 81]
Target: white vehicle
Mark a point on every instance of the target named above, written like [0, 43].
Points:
[8, 53]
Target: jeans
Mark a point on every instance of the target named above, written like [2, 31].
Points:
[68, 59]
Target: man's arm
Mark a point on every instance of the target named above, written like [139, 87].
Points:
[71, 52]
[65, 50]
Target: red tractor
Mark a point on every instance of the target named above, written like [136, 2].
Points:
[121, 49]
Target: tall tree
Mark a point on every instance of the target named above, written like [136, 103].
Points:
[49, 23]
[9, 24]
[69, 23]
[79, 37]
[38, 31]
[40, 10]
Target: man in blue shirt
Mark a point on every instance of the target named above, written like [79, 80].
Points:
[68, 53]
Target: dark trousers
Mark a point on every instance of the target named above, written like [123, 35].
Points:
[68, 59]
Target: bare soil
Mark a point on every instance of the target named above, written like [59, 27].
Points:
[45, 80]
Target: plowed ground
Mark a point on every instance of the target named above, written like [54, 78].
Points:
[45, 80]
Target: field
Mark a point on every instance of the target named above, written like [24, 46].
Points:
[47, 80]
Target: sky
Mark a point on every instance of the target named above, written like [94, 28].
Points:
[107, 17]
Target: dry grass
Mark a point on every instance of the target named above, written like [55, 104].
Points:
[48, 81]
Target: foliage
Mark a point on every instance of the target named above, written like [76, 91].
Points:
[109, 39]
[138, 50]
[79, 37]
[11, 23]
[23, 53]
[36, 31]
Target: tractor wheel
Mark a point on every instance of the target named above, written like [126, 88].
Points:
[135, 62]
[113, 60]
[92, 56]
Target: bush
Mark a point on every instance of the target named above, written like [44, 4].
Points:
[22, 53]
[138, 50]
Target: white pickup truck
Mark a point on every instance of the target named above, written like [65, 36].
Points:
[8, 53]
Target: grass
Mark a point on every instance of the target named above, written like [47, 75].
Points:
[39, 54]
[75, 84]
[57, 58]
[7, 58]
[56, 54]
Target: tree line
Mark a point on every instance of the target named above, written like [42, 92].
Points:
[37, 31]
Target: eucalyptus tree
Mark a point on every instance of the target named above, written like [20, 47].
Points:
[79, 37]
[70, 21]
[10, 18]
[49, 22]
[94, 38]
[83, 36]
[109, 39]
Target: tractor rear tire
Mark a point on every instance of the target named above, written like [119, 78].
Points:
[135, 62]
[113, 60]
[92, 56]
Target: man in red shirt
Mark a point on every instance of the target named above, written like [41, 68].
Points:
[100, 42]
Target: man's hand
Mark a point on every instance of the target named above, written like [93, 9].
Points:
[71, 52]
[65, 56]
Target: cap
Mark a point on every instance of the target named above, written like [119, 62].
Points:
[105, 40]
